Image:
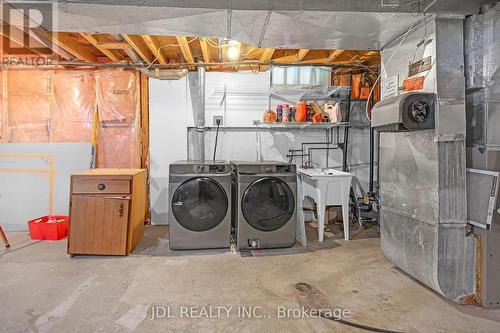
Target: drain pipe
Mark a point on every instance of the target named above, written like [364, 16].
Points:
[200, 116]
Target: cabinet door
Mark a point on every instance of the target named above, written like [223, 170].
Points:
[98, 225]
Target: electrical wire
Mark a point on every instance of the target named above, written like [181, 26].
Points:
[214, 44]
[216, 138]
[168, 45]
[388, 62]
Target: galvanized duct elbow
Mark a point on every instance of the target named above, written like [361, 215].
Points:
[129, 51]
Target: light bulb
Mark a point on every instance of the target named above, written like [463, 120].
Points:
[233, 51]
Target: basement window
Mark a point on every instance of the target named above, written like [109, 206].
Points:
[300, 76]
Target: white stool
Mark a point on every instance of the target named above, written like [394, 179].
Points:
[327, 187]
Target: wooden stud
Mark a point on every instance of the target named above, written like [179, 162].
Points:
[154, 47]
[111, 54]
[144, 92]
[186, 51]
[138, 44]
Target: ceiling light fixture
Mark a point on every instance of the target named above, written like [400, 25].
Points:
[233, 51]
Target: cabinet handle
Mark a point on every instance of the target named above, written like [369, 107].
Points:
[120, 210]
[101, 187]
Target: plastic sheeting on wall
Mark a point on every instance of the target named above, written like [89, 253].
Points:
[58, 106]
[74, 103]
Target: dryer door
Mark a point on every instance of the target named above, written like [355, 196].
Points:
[268, 204]
[199, 204]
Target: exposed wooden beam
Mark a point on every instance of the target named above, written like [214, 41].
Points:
[154, 47]
[114, 45]
[334, 55]
[140, 47]
[111, 54]
[265, 58]
[286, 58]
[186, 51]
[204, 49]
[50, 44]
[301, 54]
[266, 55]
[71, 46]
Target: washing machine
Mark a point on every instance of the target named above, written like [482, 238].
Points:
[200, 206]
[264, 204]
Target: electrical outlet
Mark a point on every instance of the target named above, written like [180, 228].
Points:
[220, 118]
[256, 122]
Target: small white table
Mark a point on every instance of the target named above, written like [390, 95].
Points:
[327, 187]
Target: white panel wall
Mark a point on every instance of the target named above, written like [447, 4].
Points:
[246, 97]
[170, 113]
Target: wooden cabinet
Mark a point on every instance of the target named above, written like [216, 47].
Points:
[107, 211]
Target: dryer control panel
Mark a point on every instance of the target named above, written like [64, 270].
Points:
[265, 167]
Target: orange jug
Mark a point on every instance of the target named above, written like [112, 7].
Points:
[300, 112]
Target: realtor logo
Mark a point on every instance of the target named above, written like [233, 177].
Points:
[25, 25]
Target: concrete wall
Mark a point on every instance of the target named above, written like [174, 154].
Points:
[171, 112]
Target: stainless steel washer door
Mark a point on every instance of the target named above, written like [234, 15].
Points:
[268, 204]
[199, 204]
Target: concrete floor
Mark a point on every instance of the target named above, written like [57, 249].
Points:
[43, 290]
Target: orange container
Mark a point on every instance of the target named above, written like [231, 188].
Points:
[269, 116]
[300, 112]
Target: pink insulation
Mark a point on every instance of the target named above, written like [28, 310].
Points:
[118, 104]
[58, 106]
[28, 105]
[74, 103]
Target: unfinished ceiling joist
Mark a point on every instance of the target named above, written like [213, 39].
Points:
[155, 48]
[18, 37]
[185, 49]
[184, 52]
[79, 51]
[138, 44]
[114, 45]
[111, 54]
[204, 49]
[334, 55]
[301, 54]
